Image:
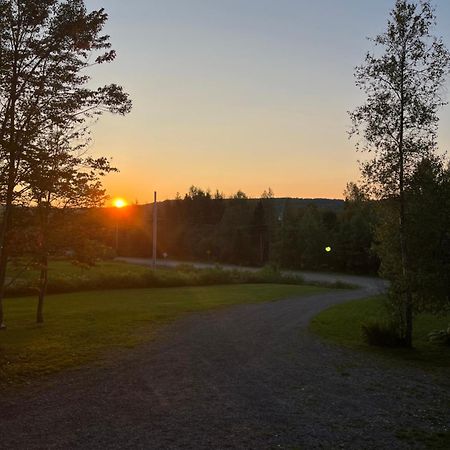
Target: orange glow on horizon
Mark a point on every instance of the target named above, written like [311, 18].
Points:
[119, 203]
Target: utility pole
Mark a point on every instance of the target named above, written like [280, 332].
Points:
[155, 230]
[117, 237]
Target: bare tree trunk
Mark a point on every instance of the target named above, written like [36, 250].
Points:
[43, 210]
[11, 147]
[4, 232]
[408, 302]
[408, 307]
[43, 281]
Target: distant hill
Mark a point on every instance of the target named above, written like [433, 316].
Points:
[330, 204]
[321, 203]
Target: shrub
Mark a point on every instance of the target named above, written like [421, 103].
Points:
[382, 334]
[441, 337]
[185, 267]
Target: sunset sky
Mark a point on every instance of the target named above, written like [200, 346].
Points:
[238, 94]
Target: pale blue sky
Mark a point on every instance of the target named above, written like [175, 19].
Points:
[239, 94]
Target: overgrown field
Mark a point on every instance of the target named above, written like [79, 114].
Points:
[65, 276]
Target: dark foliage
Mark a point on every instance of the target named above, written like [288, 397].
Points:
[382, 335]
[254, 232]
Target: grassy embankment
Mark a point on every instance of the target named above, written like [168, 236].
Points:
[82, 326]
[341, 324]
[64, 277]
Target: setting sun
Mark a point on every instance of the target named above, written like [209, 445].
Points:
[119, 203]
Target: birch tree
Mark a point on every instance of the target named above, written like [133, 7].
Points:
[403, 82]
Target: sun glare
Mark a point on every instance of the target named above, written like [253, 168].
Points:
[119, 203]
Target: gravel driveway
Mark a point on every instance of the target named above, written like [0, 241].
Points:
[249, 377]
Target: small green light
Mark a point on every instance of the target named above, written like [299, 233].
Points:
[328, 249]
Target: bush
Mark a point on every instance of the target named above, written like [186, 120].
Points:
[382, 334]
[441, 337]
[185, 267]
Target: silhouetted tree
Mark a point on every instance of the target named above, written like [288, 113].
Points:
[398, 122]
[353, 247]
[45, 48]
[427, 228]
[313, 239]
[259, 237]
[57, 177]
[267, 194]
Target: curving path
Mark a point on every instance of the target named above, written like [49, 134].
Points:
[249, 377]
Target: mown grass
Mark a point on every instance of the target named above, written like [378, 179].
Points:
[341, 324]
[65, 276]
[80, 327]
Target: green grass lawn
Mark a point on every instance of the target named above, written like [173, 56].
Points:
[80, 327]
[342, 324]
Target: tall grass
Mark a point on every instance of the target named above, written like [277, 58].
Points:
[65, 276]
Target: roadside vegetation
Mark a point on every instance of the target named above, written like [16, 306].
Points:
[81, 327]
[345, 324]
[71, 276]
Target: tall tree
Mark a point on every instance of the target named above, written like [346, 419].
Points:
[45, 48]
[427, 230]
[357, 223]
[398, 122]
[59, 176]
[259, 235]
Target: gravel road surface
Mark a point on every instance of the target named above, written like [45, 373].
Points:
[246, 377]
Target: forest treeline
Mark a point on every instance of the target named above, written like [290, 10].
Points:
[289, 233]
[316, 234]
